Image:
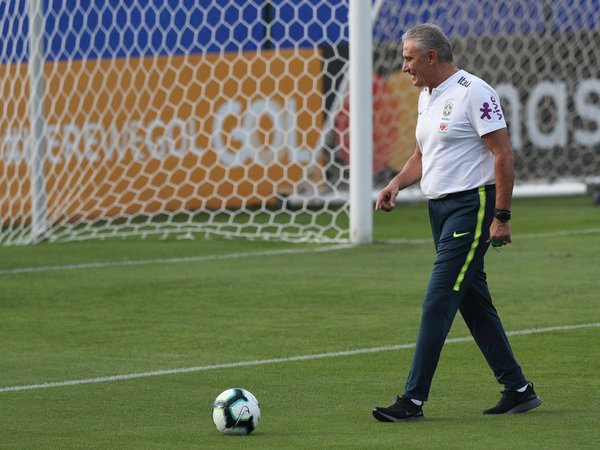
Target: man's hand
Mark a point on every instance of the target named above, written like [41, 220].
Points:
[500, 232]
[386, 200]
[409, 175]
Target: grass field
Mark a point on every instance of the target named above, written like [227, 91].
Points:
[78, 316]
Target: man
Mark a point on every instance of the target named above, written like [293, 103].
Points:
[464, 163]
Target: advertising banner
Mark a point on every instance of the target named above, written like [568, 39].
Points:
[550, 93]
[138, 136]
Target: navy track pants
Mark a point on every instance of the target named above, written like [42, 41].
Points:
[460, 224]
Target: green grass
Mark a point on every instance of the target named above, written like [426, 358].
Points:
[71, 324]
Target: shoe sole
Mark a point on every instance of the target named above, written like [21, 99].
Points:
[382, 417]
[525, 406]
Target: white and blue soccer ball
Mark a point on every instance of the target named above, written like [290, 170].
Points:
[236, 411]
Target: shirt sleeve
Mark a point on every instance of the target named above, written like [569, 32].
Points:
[484, 109]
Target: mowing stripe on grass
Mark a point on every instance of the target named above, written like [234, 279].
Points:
[516, 237]
[260, 362]
[288, 251]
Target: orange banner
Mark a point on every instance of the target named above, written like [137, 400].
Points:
[140, 136]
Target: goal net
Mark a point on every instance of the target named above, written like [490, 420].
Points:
[231, 117]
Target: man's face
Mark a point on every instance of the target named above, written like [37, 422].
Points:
[416, 64]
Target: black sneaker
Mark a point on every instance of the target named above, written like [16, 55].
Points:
[513, 402]
[404, 410]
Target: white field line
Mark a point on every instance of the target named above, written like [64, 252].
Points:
[261, 362]
[289, 251]
[142, 262]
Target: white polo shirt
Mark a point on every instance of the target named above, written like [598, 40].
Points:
[452, 119]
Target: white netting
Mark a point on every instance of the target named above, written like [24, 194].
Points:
[543, 58]
[230, 117]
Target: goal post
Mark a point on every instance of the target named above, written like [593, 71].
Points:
[37, 137]
[263, 119]
[361, 122]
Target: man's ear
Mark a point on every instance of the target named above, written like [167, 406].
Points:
[431, 56]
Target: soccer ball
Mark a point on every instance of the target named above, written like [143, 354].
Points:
[236, 411]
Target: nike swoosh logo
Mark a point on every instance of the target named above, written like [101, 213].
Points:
[460, 234]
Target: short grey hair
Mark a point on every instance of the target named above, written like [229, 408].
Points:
[429, 36]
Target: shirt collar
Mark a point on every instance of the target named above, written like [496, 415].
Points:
[442, 87]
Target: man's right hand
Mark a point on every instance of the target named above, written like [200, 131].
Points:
[386, 200]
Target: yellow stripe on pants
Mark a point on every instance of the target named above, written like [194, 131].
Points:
[480, 215]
